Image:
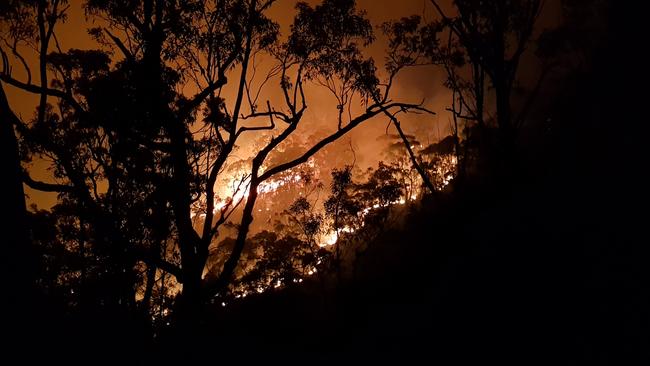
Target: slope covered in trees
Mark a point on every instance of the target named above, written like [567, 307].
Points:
[513, 238]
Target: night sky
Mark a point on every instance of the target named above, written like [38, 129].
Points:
[419, 83]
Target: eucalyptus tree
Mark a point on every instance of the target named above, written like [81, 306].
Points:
[480, 46]
[139, 131]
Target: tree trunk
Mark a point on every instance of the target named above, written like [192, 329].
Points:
[414, 160]
[504, 119]
[247, 219]
[19, 263]
[503, 105]
[146, 298]
[16, 219]
[191, 300]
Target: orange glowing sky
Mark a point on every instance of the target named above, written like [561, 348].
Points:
[413, 85]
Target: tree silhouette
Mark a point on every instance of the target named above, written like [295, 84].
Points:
[341, 207]
[130, 154]
[495, 37]
[15, 31]
[478, 41]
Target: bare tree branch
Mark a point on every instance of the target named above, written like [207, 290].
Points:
[45, 187]
[259, 128]
[407, 145]
[35, 89]
[336, 135]
[118, 42]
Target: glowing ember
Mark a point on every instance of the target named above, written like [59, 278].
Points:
[329, 239]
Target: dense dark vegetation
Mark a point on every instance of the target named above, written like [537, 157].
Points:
[533, 253]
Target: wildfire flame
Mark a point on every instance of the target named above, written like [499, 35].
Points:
[237, 187]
